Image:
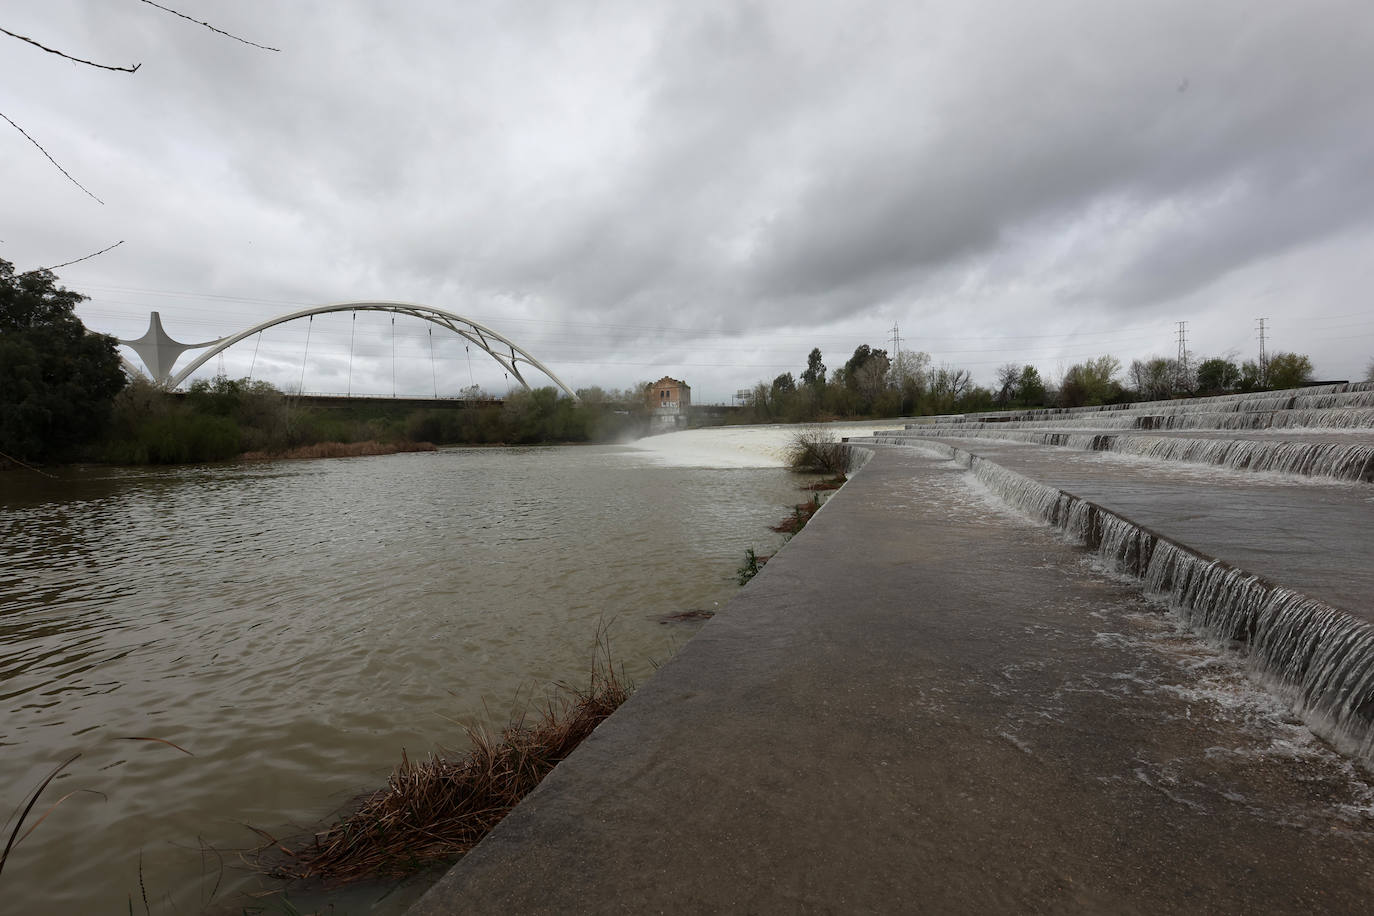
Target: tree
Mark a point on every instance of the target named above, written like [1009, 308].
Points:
[1093, 382]
[784, 385]
[57, 380]
[1289, 370]
[945, 387]
[908, 374]
[1154, 379]
[815, 369]
[866, 373]
[1217, 375]
[1008, 385]
[1031, 387]
[909, 366]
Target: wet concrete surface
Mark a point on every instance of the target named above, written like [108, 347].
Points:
[926, 704]
[1309, 535]
[1336, 437]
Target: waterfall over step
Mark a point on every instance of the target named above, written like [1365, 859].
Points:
[1317, 655]
[1319, 658]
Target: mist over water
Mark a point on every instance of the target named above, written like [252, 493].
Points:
[742, 446]
[294, 625]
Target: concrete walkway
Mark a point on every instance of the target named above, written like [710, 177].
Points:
[926, 704]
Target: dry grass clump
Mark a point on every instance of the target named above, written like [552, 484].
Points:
[437, 809]
[801, 514]
[343, 450]
[816, 449]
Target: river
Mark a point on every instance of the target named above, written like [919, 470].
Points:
[293, 625]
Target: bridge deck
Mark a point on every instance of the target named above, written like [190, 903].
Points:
[927, 704]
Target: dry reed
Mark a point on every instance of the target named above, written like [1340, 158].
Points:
[437, 809]
[801, 514]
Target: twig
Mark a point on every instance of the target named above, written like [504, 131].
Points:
[79, 60]
[209, 26]
[77, 261]
[51, 159]
[29, 466]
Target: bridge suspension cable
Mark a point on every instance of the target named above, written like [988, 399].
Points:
[433, 373]
[300, 388]
[353, 331]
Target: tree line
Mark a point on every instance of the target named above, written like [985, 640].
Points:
[873, 384]
[65, 397]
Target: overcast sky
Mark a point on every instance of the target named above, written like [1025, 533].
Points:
[699, 189]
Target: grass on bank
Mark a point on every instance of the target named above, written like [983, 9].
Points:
[434, 810]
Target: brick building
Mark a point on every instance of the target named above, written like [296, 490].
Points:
[669, 399]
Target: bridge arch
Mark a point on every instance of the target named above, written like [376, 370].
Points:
[505, 351]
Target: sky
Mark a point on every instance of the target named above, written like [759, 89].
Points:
[704, 190]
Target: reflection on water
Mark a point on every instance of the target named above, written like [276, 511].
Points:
[293, 625]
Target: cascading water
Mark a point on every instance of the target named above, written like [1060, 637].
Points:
[1319, 658]
[1336, 460]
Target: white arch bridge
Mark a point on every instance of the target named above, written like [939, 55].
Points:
[160, 352]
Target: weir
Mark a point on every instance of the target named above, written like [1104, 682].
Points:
[928, 702]
[1319, 658]
[1260, 594]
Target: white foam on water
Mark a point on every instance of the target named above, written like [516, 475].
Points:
[741, 446]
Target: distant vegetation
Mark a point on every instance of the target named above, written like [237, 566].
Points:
[224, 418]
[872, 384]
[63, 396]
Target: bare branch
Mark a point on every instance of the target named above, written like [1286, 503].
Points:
[79, 60]
[51, 159]
[209, 26]
[77, 261]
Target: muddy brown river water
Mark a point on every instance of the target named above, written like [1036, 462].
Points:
[294, 625]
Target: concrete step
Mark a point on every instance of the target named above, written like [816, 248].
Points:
[1336, 456]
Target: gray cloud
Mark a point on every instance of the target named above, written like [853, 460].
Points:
[767, 170]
